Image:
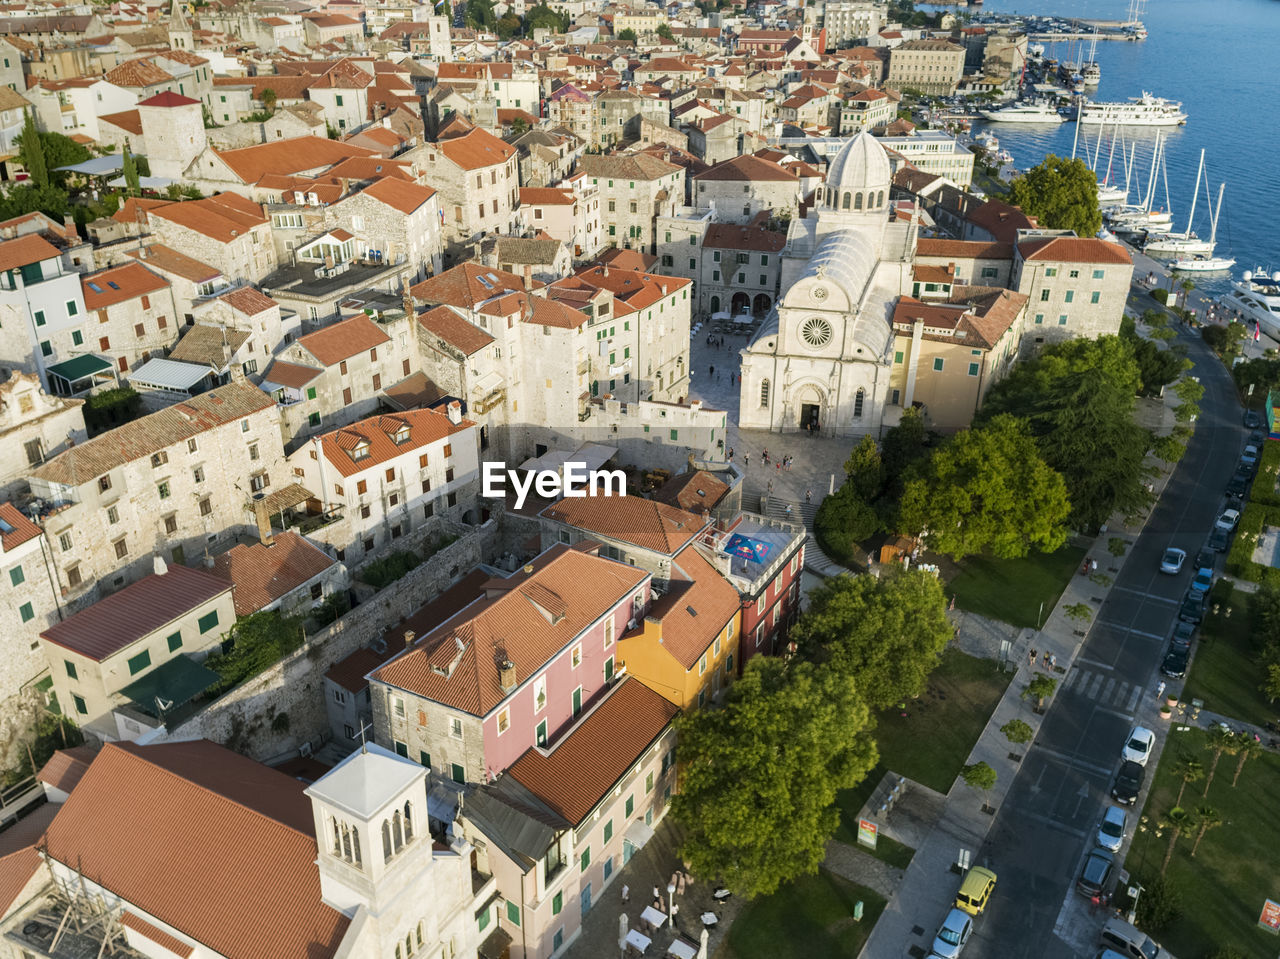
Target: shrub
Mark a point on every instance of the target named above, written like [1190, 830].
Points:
[979, 776]
[335, 605]
[1160, 904]
[843, 520]
[111, 408]
[1016, 731]
[1160, 295]
[256, 643]
[381, 573]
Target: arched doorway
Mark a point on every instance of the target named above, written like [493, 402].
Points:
[741, 302]
[715, 304]
[760, 306]
[809, 404]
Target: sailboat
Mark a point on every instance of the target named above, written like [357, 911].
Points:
[1186, 242]
[1206, 263]
[1136, 219]
[1108, 192]
[1091, 72]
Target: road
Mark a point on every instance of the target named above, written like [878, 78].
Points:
[1047, 821]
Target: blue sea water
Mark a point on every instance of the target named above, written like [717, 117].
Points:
[1218, 58]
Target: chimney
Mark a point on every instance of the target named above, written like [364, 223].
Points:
[237, 372]
[408, 638]
[454, 411]
[161, 567]
[528, 276]
[264, 522]
[507, 675]
[69, 227]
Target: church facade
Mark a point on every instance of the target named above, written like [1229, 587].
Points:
[822, 362]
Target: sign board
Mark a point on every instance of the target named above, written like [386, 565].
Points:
[867, 831]
[1270, 918]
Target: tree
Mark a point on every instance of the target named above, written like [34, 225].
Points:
[1271, 685]
[269, 100]
[664, 31]
[1220, 741]
[519, 126]
[60, 151]
[988, 491]
[1041, 688]
[46, 199]
[627, 36]
[864, 469]
[1061, 193]
[1188, 770]
[1206, 818]
[979, 776]
[1017, 732]
[1160, 904]
[543, 17]
[788, 738]
[1177, 821]
[130, 170]
[905, 444]
[844, 520]
[508, 26]
[886, 632]
[480, 16]
[31, 152]
[1246, 748]
[1157, 368]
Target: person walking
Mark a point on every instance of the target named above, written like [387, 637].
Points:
[1160, 689]
[1032, 658]
[808, 496]
[746, 460]
[1053, 660]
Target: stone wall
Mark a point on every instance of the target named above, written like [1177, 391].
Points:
[245, 719]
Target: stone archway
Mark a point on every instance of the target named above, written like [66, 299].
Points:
[810, 408]
[760, 305]
[715, 304]
[741, 302]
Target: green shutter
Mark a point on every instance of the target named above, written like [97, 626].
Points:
[513, 913]
[140, 662]
[16, 576]
[208, 621]
[175, 641]
[81, 708]
[28, 614]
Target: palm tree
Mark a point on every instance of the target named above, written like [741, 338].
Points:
[1221, 740]
[1189, 770]
[1206, 818]
[1247, 747]
[1177, 820]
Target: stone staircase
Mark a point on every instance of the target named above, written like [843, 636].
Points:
[759, 499]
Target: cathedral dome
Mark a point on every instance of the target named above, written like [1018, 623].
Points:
[858, 177]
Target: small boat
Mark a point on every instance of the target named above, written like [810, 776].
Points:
[1257, 296]
[1203, 264]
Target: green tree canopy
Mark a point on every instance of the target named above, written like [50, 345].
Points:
[543, 16]
[988, 491]
[864, 469]
[480, 16]
[845, 519]
[628, 36]
[129, 168]
[886, 633]
[664, 31]
[31, 152]
[788, 738]
[1062, 194]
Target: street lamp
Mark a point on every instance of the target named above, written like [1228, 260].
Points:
[671, 902]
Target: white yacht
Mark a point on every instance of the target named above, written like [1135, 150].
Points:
[1143, 111]
[1203, 264]
[1034, 111]
[1091, 73]
[1111, 194]
[1257, 296]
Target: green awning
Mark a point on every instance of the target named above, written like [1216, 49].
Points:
[176, 682]
[80, 367]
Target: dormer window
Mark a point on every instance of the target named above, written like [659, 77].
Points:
[360, 451]
[401, 436]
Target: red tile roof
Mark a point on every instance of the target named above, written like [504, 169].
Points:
[138, 610]
[155, 934]
[643, 522]
[467, 285]
[579, 771]
[692, 492]
[128, 120]
[16, 871]
[118, 284]
[964, 249]
[31, 248]
[160, 257]
[119, 830]
[695, 586]
[222, 217]
[20, 529]
[251, 164]
[1073, 249]
[476, 149]
[344, 339]
[248, 301]
[66, 767]
[545, 196]
[290, 374]
[425, 427]
[528, 618]
[547, 312]
[169, 99]
[747, 167]
[263, 574]
[733, 237]
[400, 195]
[455, 330]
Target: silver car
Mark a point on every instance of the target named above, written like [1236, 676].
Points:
[1111, 829]
[953, 934]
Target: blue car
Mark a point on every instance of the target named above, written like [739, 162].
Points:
[1203, 580]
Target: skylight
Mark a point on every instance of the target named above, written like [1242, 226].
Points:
[94, 286]
[5, 526]
[113, 284]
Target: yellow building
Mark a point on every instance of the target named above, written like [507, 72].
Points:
[684, 648]
[947, 355]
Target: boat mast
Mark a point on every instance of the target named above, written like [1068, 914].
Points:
[1194, 194]
[1151, 183]
[1097, 152]
[1214, 212]
[1076, 139]
[1111, 156]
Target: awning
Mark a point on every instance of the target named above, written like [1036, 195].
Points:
[495, 946]
[488, 383]
[638, 834]
[79, 367]
[173, 375]
[97, 166]
[145, 182]
[284, 497]
[166, 687]
[745, 548]
[442, 804]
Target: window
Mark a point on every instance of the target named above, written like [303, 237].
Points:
[1062, 320]
[163, 490]
[702, 664]
[81, 708]
[27, 612]
[577, 700]
[482, 920]
[630, 806]
[1069, 296]
[1095, 296]
[16, 576]
[575, 657]
[46, 348]
[648, 782]
[937, 364]
[140, 662]
[175, 641]
[859, 399]
[362, 487]
[973, 369]
[207, 621]
[504, 721]
[159, 459]
[71, 308]
[1044, 296]
[1039, 318]
[1099, 274]
[39, 315]
[206, 506]
[557, 903]
[513, 913]
[1074, 274]
[171, 524]
[77, 338]
[455, 727]
[457, 773]
[1051, 271]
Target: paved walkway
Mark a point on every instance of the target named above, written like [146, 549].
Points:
[863, 868]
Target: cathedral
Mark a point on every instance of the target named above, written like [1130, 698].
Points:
[822, 361]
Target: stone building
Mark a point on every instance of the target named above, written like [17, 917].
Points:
[386, 476]
[189, 279]
[741, 188]
[32, 602]
[34, 427]
[226, 231]
[130, 315]
[634, 191]
[45, 310]
[398, 219]
[848, 20]
[176, 482]
[1078, 286]
[930, 66]
[477, 179]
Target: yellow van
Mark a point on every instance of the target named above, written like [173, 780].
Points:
[975, 891]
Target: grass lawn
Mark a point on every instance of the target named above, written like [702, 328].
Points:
[1224, 671]
[932, 741]
[812, 916]
[1012, 590]
[1237, 865]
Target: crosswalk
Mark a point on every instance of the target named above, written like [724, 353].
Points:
[1104, 688]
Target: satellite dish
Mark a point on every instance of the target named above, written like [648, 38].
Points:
[1248, 275]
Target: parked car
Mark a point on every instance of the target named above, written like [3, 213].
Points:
[1228, 520]
[1175, 662]
[1128, 783]
[1205, 557]
[1172, 560]
[1096, 872]
[1249, 458]
[1256, 438]
[953, 934]
[1203, 580]
[1192, 609]
[1181, 635]
[1111, 829]
[1127, 941]
[1252, 420]
[1137, 748]
[1238, 485]
[975, 890]
[1219, 540]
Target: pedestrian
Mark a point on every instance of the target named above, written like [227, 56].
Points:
[788, 509]
[746, 460]
[1046, 657]
[808, 496]
[1032, 658]
[730, 454]
[1160, 689]
[765, 454]
[1093, 565]
[778, 465]
[626, 894]
[770, 486]
[712, 370]
[1053, 660]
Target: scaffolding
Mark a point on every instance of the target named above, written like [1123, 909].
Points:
[74, 922]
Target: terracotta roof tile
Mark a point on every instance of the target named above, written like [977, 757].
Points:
[118, 829]
[290, 374]
[370, 168]
[263, 574]
[506, 623]
[964, 249]
[375, 433]
[112, 623]
[579, 771]
[248, 301]
[546, 196]
[128, 120]
[344, 339]
[66, 767]
[16, 870]
[295, 155]
[400, 195]
[455, 330]
[17, 528]
[169, 99]
[476, 149]
[208, 345]
[155, 934]
[467, 285]
[733, 237]
[25, 250]
[119, 284]
[161, 257]
[748, 167]
[1073, 249]
[149, 434]
[694, 609]
[548, 312]
[646, 523]
[137, 73]
[692, 492]
[221, 217]
[639, 166]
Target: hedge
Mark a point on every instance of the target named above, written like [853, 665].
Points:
[1240, 559]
